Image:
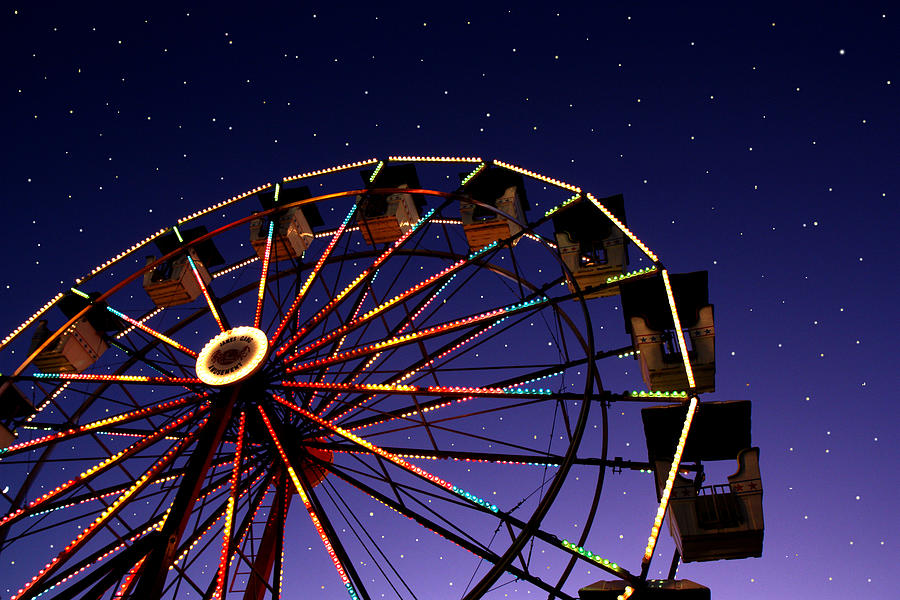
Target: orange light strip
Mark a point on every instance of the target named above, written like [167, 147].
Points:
[108, 513]
[678, 332]
[140, 534]
[341, 345]
[140, 325]
[143, 319]
[353, 165]
[431, 390]
[540, 240]
[412, 372]
[679, 449]
[132, 573]
[114, 378]
[364, 443]
[459, 459]
[231, 200]
[306, 503]
[372, 360]
[30, 320]
[229, 515]
[38, 409]
[627, 594]
[388, 455]
[265, 272]
[212, 307]
[116, 419]
[196, 541]
[102, 465]
[410, 338]
[623, 228]
[443, 159]
[389, 303]
[325, 254]
[670, 482]
[439, 404]
[451, 349]
[538, 176]
[325, 310]
[235, 267]
[115, 492]
[121, 255]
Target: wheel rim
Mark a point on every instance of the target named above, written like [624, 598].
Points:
[318, 392]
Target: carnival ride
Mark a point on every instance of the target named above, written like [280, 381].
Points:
[373, 388]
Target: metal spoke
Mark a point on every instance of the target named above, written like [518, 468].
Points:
[152, 575]
[363, 279]
[101, 425]
[310, 278]
[233, 497]
[343, 566]
[29, 591]
[377, 311]
[38, 503]
[264, 275]
[212, 301]
[446, 533]
[153, 332]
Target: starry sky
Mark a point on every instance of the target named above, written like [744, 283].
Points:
[756, 141]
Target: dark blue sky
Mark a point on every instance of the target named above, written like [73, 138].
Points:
[758, 142]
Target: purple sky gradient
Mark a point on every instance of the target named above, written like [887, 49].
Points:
[757, 142]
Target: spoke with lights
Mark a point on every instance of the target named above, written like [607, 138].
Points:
[30, 589]
[153, 524]
[417, 471]
[310, 278]
[360, 370]
[361, 279]
[232, 501]
[141, 379]
[149, 330]
[265, 272]
[445, 532]
[381, 308]
[343, 567]
[412, 338]
[210, 300]
[100, 424]
[101, 467]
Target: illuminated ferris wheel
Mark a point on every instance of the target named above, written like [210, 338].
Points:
[392, 378]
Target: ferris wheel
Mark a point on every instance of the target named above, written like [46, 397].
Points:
[391, 378]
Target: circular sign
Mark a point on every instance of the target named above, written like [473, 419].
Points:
[232, 355]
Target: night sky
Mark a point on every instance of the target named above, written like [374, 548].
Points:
[756, 142]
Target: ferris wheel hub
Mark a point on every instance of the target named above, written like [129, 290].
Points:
[232, 355]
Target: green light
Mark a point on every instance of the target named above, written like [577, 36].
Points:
[645, 394]
[277, 191]
[474, 499]
[80, 293]
[643, 271]
[468, 177]
[376, 171]
[178, 234]
[563, 205]
[590, 555]
[478, 253]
